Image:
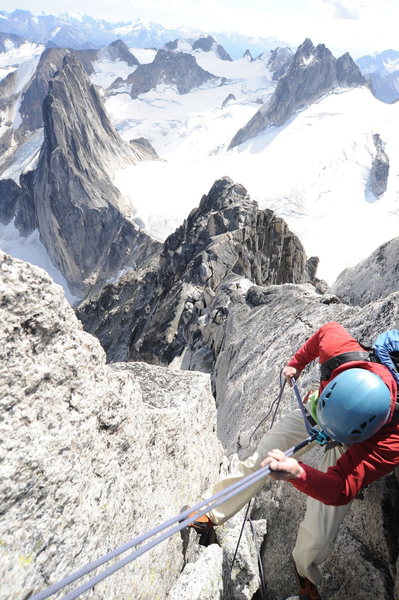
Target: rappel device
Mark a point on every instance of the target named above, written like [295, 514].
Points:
[319, 436]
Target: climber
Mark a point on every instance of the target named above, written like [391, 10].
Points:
[355, 409]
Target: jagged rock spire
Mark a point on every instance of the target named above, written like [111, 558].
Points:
[82, 218]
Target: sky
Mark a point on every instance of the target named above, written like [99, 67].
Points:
[358, 26]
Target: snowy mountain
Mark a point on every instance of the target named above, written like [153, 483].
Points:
[330, 170]
[312, 73]
[382, 70]
[383, 63]
[84, 32]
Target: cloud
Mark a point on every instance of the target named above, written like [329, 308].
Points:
[349, 10]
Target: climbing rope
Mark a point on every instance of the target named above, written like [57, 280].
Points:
[177, 523]
[316, 434]
[274, 406]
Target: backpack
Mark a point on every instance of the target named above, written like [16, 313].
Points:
[386, 350]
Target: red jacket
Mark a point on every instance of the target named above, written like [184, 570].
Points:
[363, 462]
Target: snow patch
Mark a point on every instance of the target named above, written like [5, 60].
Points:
[144, 55]
[9, 45]
[15, 57]
[30, 249]
[54, 32]
[25, 157]
[307, 61]
[391, 65]
[106, 71]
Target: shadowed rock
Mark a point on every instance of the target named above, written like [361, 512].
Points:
[118, 50]
[50, 62]
[380, 168]
[83, 221]
[225, 235]
[10, 194]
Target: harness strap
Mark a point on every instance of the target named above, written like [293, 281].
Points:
[332, 363]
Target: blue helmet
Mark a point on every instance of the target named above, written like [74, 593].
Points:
[353, 406]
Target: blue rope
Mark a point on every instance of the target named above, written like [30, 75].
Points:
[183, 520]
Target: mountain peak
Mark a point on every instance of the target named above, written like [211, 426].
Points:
[82, 218]
[177, 69]
[207, 44]
[118, 50]
[312, 73]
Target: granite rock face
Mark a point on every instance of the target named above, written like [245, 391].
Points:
[148, 317]
[259, 331]
[177, 69]
[52, 368]
[312, 72]
[373, 278]
[83, 221]
[279, 61]
[29, 99]
[222, 581]
[10, 194]
[31, 96]
[92, 455]
[50, 62]
[244, 335]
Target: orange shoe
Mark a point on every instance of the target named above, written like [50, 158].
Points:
[307, 589]
[201, 524]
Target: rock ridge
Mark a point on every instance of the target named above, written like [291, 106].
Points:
[178, 69]
[373, 278]
[312, 73]
[89, 449]
[226, 235]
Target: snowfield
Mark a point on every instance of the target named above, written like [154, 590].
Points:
[313, 171]
[14, 58]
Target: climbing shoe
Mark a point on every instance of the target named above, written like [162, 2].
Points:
[307, 589]
[201, 524]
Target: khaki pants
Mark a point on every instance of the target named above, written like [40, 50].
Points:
[319, 528]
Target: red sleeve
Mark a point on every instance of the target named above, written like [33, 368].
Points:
[306, 353]
[362, 464]
[330, 340]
